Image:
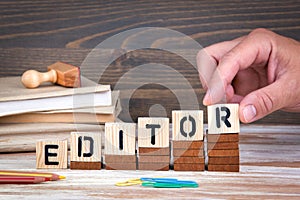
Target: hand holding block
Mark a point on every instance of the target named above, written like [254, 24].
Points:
[153, 132]
[120, 138]
[60, 73]
[52, 154]
[223, 118]
[187, 125]
[85, 150]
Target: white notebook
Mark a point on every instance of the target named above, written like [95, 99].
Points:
[15, 98]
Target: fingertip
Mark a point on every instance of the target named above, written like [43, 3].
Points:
[248, 113]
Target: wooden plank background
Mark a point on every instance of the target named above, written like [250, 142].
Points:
[34, 34]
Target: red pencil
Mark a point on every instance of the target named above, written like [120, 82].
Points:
[52, 176]
[21, 180]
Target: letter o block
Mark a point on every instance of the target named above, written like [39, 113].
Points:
[187, 125]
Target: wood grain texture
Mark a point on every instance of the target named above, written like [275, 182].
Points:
[52, 154]
[120, 158]
[120, 166]
[218, 138]
[154, 159]
[224, 168]
[223, 118]
[153, 132]
[189, 167]
[85, 165]
[36, 34]
[224, 160]
[224, 153]
[188, 152]
[85, 146]
[187, 144]
[269, 169]
[186, 122]
[222, 145]
[188, 160]
[154, 151]
[120, 138]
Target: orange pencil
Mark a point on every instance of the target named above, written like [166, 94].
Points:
[21, 180]
[51, 176]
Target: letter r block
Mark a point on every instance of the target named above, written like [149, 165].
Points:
[52, 154]
[187, 125]
[223, 118]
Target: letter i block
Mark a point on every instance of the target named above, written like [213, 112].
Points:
[153, 143]
[85, 150]
[187, 140]
[120, 146]
[223, 138]
[52, 154]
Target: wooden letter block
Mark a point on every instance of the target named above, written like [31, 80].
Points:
[224, 168]
[85, 150]
[120, 146]
[120, 138]
[223, 118]
[189, 167]
[220, 138]
[187, 125]
[52, 154]
[153, 132]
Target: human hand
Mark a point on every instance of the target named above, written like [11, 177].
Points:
[260, 71]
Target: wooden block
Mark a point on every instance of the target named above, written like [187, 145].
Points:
[154, 159]
[120, 166]
[154, 151]
[187, 125]
[232, 137]
[224, 160]
[85, 165]
[189, 167]
[223, 118]
[120, 138]
[224, 168]
[188, 152]
[187, 144]
[188, 160]
[52, 154]
[120, 159]
[153, 132]
[223, 153]
[67, 75]
[85, 147]
[154, 166]
[223, 145]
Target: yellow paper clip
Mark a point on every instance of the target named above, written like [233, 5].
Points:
[130, 182]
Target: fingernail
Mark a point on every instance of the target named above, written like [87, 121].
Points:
[206, 99]
[249, 113]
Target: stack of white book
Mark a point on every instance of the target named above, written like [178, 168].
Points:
[40, 110]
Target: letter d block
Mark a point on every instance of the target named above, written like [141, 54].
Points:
[52, 154]
[85, 150]
[223, 118]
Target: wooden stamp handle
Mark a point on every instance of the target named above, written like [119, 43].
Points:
[33, 78]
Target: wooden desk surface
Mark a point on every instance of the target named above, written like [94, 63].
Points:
[270, 169]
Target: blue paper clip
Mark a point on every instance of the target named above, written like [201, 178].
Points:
[168, 183]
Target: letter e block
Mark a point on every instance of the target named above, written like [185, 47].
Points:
[223, 118]
[52, 154]
[187, 125]
[120, 138]
[153, 132]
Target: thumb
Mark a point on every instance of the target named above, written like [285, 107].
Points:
[262, 102]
